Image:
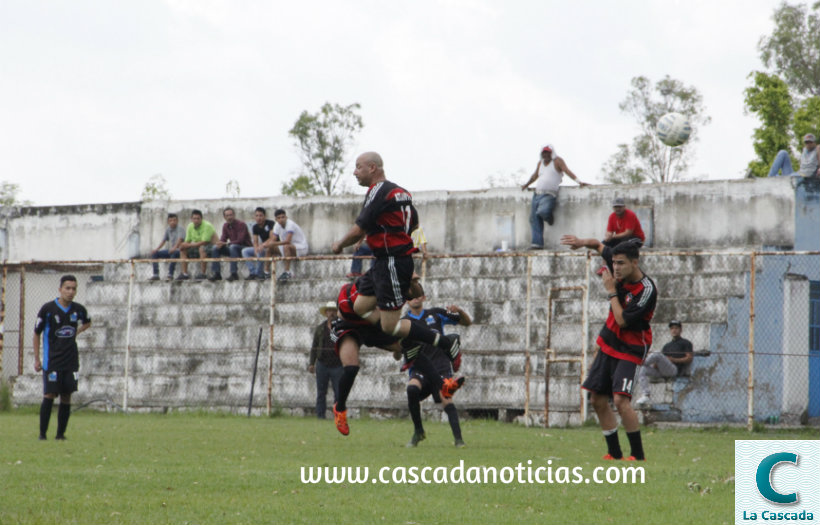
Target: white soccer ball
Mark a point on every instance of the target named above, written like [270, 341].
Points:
[673, 129]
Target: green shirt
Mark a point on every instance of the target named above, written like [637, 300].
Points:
[205, 232]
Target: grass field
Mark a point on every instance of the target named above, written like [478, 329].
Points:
[205, 468]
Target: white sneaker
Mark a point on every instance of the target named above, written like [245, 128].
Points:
[643, 400]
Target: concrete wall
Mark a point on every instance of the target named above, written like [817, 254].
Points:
[713, 214]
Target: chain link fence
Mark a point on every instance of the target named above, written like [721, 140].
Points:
[753, 320]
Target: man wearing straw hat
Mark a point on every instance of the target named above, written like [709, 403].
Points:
[323, 360]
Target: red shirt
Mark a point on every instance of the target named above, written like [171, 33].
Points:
[628, 221]
[388, 217]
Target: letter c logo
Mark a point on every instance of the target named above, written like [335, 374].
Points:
[764, 477]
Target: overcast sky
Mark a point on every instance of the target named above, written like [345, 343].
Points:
[98, 96]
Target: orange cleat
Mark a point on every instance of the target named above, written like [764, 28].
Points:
[608, 457]
[341, 421]
[633, 458]
[450, 386]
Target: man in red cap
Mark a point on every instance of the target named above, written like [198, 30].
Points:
[549, 172]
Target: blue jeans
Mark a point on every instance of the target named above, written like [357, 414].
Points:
[542, 208]
[254, 268]
[323, 375]
[232, 250]
[165, 254]
[356, 265]
[782, 162]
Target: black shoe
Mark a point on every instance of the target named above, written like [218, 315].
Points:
[414, 441]
[251, 277]
[43, 437]
[214, 277]
[460, 443]
[154, 278]
[267, 275]
[232, 277]
[183, 277]
[60, 437]
[200, 277]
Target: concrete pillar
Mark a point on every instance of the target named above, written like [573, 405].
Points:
[795, 344]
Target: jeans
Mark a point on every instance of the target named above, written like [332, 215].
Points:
[323, 375]
[165, 254]
[356, 265]
[663, 367]
[254, 267]
[233, 250]
[782, 162]
[542, 208]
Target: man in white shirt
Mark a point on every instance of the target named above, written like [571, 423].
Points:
[290, 239]
[549, 172]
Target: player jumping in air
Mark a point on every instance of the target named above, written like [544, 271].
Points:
[421, 385]
[387, 218]
[623, 342]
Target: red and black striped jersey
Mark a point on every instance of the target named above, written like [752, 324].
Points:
[347, 296]
[388, 217]
[631, 342]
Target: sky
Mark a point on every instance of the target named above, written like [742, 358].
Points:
[96, 97]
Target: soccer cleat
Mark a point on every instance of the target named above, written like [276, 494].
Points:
[451, 343]
[610, 457]
[341, 421]
[43, 437]
[60, 437]
[460, 443]
[633, 458]
[414, 441]
[450, 386]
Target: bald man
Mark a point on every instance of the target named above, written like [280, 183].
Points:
[386, 221]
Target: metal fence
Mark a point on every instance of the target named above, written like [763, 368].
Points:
[753, 319]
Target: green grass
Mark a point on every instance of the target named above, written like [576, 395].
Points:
[200, 468]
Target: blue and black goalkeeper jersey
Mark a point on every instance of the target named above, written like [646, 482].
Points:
[59, 325]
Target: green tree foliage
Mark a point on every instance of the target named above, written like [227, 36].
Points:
[8, 195]
[807, 119]
[299, 186]
[323, 140]
[769, 99]
[792, 50]
[649, 159]
[155, 189]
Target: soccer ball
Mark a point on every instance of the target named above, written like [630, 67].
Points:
[673, 129]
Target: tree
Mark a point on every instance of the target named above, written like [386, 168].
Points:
[323, 140]
[770, 100]
[8, 195]
[232, 189]
[649, 158]
[793, 48]
[506, 180]
[299, 186]
[155, 189]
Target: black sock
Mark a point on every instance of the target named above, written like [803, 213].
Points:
[636, 444]
[63, 413]
[425, 367]
[414, 404]
[612, 443]
[452, 416]
[345, 384]
[422, 334]
[45, 414]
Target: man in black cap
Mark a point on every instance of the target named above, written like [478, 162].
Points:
[675, 359]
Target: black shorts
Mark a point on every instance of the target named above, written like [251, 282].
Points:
[428, 386]
[60, 381]
[609, 375]
[388, 279]
[365, 334]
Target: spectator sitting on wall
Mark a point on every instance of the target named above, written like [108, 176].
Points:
[199, 238]
[675, 359]
[809, 160]
[290, 239]
[235, 237]
[261, 230]
[360, 249]
[174, 235]
[549, 172]
[623, 224]
[323, 361]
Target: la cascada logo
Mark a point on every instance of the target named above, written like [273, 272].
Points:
[777, 481]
